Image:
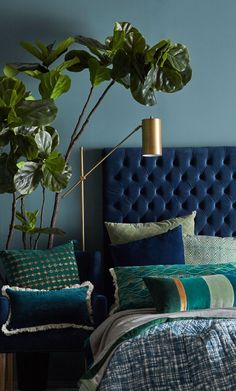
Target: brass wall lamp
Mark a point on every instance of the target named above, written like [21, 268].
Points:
[151, 146]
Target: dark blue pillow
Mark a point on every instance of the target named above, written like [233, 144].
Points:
[33, 310]
[163, 249]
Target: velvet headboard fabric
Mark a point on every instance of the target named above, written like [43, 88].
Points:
[141, 189]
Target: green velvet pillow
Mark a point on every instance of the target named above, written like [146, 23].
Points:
[120, 233]
[209, 249]
[53, 268]
[131, 291]
[33, 310]
[192, 293]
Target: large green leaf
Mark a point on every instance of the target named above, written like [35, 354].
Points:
[98, 73]
[55, 173]
[143, 92]
[12, 92]
[6, 175]
[34, 50]
[11, 70]
[121, 65]
[28, 177]
[178, 57]
[82, 58]
[56, 51]
[133, 41]
[53, 84]
[43, 141]
[54, 136]
[37, 113]
[27, 146]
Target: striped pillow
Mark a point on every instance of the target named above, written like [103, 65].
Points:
[191, 293]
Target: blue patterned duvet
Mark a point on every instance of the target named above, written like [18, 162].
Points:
[186, 354]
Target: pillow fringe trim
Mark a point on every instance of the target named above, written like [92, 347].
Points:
[45, 327]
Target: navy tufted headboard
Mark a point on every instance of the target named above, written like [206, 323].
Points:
[139, 189]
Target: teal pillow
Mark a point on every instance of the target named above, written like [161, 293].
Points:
[34, 310]
[53, 268]
[131, 291]
[209, 249]
[192, 293]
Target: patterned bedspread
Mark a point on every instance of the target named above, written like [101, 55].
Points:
[196, 352]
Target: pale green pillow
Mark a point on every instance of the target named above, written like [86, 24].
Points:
[209, 249]
[120, 233]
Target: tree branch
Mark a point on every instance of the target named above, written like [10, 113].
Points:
[12, 222]
[70, 148]
[41, 217]
[22, 209]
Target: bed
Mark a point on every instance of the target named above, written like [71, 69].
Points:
[139, 348]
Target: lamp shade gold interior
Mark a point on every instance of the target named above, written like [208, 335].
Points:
[151, 137]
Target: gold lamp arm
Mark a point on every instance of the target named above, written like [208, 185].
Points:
[84, 176]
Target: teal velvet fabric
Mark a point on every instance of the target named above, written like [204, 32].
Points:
[29, 309]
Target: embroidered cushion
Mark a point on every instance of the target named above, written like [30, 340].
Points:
[53, 268]
[209, 249]
[34, 310]
[192, 293]
[131, 291]
[123, 232]
[166, 248]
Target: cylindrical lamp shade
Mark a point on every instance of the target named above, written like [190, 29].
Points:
[151, 137]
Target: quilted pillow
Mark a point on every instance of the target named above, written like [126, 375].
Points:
[53, 268]
[192, 293]
[162, 249]
[131, 291]
[209, 249]
[123, 232]
[34, 310]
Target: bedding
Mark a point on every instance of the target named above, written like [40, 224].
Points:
[190, 293]
[131, 291]
[130, 350]
[120, 233]
[166, 248]
[209, 249]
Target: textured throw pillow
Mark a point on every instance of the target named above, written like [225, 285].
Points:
[123, 233]
[131, 291]
[209, 249]
[34, 310]
[192, 293]
[162, 249]
[53, 268]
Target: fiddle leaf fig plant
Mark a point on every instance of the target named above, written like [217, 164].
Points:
[30, 156]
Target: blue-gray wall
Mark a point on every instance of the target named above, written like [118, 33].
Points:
[201, 114]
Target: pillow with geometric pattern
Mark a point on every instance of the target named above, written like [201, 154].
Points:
[53, 268]
[209, 249]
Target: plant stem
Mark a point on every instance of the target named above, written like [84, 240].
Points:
[74, 139]
[22, 209]
[12, 222]
[31, 242]
[41, 217]
[68, 152]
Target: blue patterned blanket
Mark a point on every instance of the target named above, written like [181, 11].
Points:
[197, 352]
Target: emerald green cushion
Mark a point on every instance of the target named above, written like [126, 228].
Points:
[192, 293]
[53, 268]
[131, 291]
[34, 310]
[209, 249]
[120, 233]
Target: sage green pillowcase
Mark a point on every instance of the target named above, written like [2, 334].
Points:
[120, 233]
[131, 291]
[209, 249]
